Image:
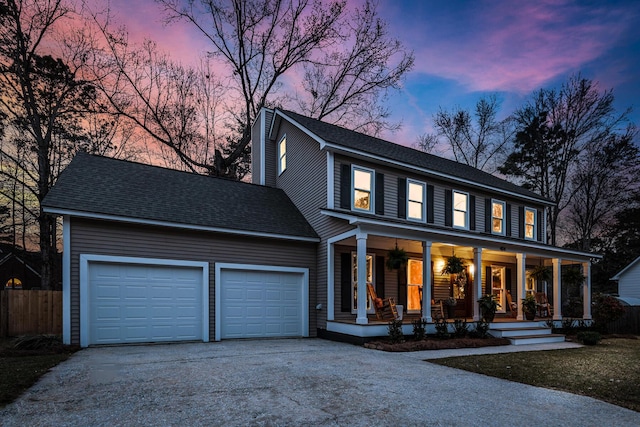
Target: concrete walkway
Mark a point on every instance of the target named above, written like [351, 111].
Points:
[288, 382]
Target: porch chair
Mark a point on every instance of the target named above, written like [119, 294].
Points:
[437, 311]
[385, 308]
[543, 305]
[512, 305]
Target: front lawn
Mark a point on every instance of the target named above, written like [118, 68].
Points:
[608, 371]
[21, 368]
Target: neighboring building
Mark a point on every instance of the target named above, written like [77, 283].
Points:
[629, 280]
[19, 269]
[152, 254]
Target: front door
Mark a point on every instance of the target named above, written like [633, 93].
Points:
[498, 280]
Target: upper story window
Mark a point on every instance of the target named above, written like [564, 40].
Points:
[497, 217]
[362, 189]
[530, 223]
[282, 155]
[416, 200]
[460, 209]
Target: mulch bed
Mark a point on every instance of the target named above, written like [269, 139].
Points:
[437, 344]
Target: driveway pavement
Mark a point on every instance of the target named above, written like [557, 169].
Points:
[297, 382]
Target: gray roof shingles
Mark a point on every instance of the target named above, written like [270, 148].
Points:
[101, 185]
[389, 150]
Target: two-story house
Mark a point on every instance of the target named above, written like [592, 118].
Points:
[152, 254]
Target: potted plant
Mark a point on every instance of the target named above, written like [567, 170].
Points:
[453, 265]
[450, 303]
[488, 307]
[541, 273]
[396, 258]
[529, 307]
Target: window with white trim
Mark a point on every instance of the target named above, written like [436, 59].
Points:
[530, 223]
[498, 210]
[416, 194]
[354, 281]
[282, 155]
[362, 189]
[460, 210]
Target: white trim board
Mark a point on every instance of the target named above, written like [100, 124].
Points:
[219, 266]
[86, 259]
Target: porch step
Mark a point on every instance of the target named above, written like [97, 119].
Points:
[536, 339]
[519, 332]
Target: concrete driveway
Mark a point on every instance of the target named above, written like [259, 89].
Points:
[288, 382]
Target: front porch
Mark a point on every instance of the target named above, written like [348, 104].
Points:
[503, 269]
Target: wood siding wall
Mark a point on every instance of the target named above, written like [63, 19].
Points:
[629, 283]
[117, 239]
[30, 312]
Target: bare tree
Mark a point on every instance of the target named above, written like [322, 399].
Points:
[426, 142]
[479, 140]
[262, 42]
[554, 129]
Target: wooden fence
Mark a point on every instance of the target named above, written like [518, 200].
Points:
[27, 312]
[629, 323]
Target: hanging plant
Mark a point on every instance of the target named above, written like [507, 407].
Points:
[453, 265]
[396, 258]
[541, 273]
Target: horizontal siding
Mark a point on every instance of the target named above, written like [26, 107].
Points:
[115, 239]
[629, 283]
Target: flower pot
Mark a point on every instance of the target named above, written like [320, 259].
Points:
[451, 311]
[529, 315]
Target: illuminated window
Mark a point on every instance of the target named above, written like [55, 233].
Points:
[362, 189]
[415, 200]
[460, 210]
[414, 285]
[14, 283]
[282, 155]
[497, 217]
[354, 280]
[529, 224]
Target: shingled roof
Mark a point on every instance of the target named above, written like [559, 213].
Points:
[388, 150]
[93, 185]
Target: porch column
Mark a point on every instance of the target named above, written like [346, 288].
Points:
[477, 282]
[586, 290]
[521, 274]
[361, 262]
[426, 281]
[557, 286]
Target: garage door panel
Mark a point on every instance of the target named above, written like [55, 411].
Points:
[139, 303]
[260, 304]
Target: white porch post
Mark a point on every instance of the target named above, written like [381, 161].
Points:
[586, 290]
[521, 280]
[361, 262]
[426, 281]
[477, 282]
[330, 282]
[557, 286]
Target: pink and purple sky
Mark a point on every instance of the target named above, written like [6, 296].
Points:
[465, 49]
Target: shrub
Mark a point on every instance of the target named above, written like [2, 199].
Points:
[589, 337]
[481, 330]
[395, 331]
[38, 342]
[419, 329]
[442, 328]
[605, 309]
[460, 328]
[573, 307]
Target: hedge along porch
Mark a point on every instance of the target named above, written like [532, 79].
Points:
[359, 257]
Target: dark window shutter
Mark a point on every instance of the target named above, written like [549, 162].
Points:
[540, 220]
[402, 286]
[430, 207]
[380, 269]
[472, 212]
[448, 206]
[487, 215]
[521, 222]
[379, 193]
[487, 281]
[507, 278]
[345, 282]
[507, 219]
[402, 198]
[433, 281]
[345, 186]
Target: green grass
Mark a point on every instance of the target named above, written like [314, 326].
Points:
[609, 371]
[20, 368]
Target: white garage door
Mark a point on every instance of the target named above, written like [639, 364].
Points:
[132, 303]
[261, 304]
